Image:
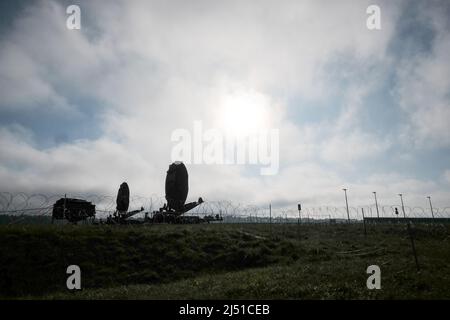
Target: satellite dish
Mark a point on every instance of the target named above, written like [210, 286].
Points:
[123, 198]
[177, 186]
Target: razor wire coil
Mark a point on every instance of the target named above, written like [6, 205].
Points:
[41, 204]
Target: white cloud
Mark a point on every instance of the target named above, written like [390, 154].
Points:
[424, 86]
[447, 176]
[152, 67]
[345, 149]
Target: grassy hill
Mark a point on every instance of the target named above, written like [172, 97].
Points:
[223, 261]
[24, 219]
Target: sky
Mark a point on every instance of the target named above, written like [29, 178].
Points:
[83, 110]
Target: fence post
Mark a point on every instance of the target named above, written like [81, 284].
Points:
[413, 246]
[364, 222]
[270, 219]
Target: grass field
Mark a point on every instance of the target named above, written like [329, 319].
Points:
[224, 261]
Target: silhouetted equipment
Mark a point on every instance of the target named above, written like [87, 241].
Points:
[123, 198]
[122, 217]
[123, 201]
[177, 188]
[209, 218]
[73, 210]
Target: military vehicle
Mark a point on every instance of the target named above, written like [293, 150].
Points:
[73, 210]
[121, 215]
[177, 188]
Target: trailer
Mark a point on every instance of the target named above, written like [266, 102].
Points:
[73, 210]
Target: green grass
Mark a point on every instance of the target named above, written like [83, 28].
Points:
[223, 261]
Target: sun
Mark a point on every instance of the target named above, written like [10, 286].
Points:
[244, 113]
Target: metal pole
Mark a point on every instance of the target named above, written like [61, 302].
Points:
[270, 213]
[403, 207]
[376, 204]
[346, 203]
[413, 246]
[364, 222]
[431, 207]
[270, 218]
[64, 209]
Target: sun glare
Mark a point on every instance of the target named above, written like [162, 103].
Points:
[244, 113]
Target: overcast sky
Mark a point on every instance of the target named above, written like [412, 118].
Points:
[81, 111]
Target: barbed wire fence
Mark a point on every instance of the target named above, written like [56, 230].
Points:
[21, 205]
